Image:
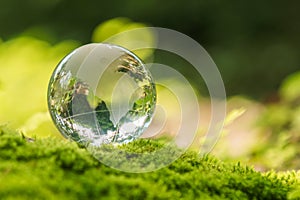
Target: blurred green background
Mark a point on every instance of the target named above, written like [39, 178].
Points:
[255, 44]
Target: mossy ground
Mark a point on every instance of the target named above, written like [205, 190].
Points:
[58, 169]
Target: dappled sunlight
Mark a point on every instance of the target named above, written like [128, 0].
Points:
[26, 67]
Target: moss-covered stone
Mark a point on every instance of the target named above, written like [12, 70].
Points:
[56, 169]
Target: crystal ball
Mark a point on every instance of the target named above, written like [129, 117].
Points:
[101, 94]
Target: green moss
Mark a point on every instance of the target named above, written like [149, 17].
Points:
[280, 129]
[56, 169]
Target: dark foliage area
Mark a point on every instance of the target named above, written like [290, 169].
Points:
[249, 40]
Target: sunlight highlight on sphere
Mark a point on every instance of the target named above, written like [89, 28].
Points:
[100, 94]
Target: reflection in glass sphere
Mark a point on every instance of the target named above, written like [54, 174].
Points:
[101, 94]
